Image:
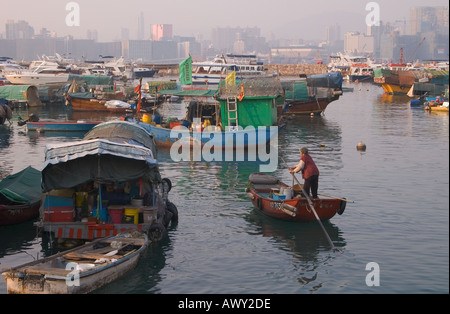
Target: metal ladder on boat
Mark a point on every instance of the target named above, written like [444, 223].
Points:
[232, 112]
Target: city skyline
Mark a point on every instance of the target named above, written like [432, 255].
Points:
[288, 19]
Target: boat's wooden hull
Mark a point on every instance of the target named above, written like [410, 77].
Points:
[307, 107]
[437, 109]
[96, 105]
[14, 214]
[295, 208]
[58, 274]
[394, 89]
[326, 208]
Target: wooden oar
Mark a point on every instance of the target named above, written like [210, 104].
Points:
[313, 210]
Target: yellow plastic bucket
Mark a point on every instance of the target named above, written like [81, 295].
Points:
[147, 118]
[132, 215]
[79, 198]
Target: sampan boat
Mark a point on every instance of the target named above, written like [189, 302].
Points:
[80, 270]
[20, 196]
[62, 126]
[264, 192]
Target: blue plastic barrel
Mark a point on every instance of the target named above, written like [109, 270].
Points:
[156, 118]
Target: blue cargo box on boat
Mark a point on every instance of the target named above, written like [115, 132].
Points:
[57, 201]
[279, 197]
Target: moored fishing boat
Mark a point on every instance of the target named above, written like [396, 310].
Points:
[20, 196]
[233, 116]
[61, 126]
[105, 184]
[361, 72]
[278, 200]
[437, 107]
[311, 95]
[87, 102]
[80, 270]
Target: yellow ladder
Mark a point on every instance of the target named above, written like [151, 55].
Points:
[232, 108]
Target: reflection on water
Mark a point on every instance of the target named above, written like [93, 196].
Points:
[305, 240]
[24, 236]
[5, 141]
[222, 245]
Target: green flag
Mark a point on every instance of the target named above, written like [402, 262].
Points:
[186, 71]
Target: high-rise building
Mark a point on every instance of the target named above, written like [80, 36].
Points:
[224, 39]
[19, 30]
[125, 34]
[160, 31]
[355, 42]
[427, 19]
[92, 34]
[141, 27]
[333, 33]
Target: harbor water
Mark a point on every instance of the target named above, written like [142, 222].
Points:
[393, 239]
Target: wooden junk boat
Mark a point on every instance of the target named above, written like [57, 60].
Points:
[264, 192]
[79, 270]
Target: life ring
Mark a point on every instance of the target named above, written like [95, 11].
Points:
[342, 207]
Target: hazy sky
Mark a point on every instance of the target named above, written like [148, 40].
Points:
[291, 19]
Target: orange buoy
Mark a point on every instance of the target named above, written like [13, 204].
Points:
[361, 146]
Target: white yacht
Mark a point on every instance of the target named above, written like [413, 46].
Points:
[211, 72]
[39, 73]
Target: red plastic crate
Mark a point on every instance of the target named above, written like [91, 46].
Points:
[59, 214]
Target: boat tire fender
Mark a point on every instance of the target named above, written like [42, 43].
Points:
[169, 183]
[170, 207]
[259, 203]
[156, 231]
[342, 207]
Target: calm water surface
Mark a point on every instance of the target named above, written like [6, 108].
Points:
[400, 218]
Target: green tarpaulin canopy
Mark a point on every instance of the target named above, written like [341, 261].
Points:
[15, 92]
[23, 187]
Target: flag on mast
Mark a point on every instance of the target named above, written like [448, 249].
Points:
[241, 95]
[137, 90]
[186, 71]
[230, 80]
